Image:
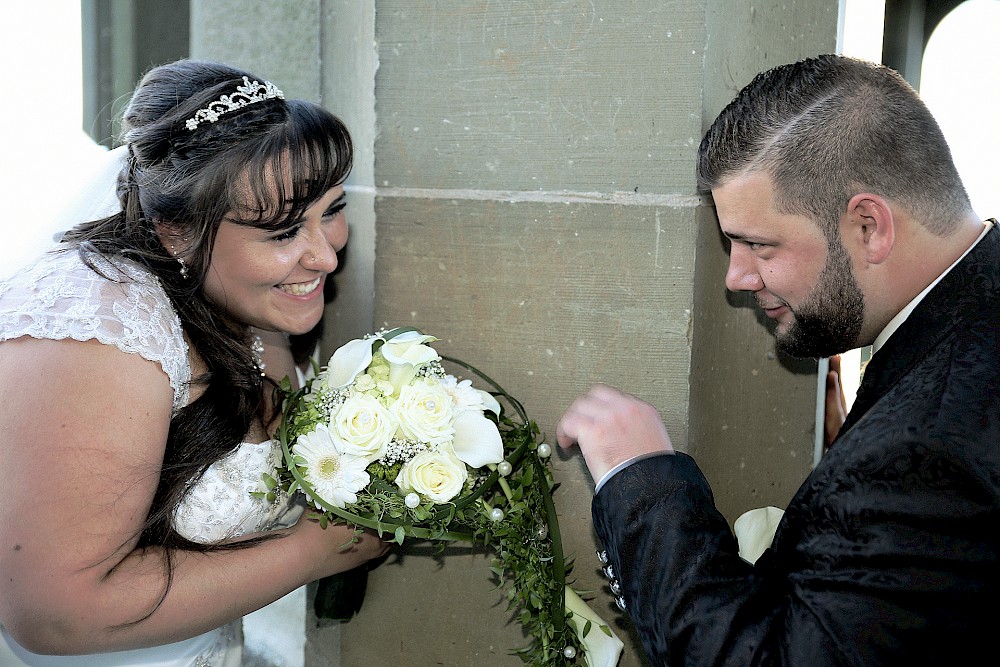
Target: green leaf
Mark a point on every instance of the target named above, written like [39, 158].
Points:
[389, 335]
[529, 475]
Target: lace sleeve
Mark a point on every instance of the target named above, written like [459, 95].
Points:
[59, 297]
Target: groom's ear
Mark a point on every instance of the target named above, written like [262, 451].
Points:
[870, 224]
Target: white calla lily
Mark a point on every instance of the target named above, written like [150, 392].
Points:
[405, 353]
[599, 649]
[755, 530]
[349, 361]
[400, 344]
[489, 402]
[476, 440]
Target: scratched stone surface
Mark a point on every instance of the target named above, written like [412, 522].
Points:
[545, 298]
[583, 96]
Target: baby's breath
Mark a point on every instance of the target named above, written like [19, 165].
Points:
[434, 369]
[330, 400]
[401, 451]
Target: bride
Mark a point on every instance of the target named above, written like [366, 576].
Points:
[137, 366]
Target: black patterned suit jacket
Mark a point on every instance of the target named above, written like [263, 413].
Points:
[888, 553]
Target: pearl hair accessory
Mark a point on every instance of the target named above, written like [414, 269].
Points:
[249, 93]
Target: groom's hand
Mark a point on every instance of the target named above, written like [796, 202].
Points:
[611, 427]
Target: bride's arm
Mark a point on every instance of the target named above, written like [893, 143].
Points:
[82, 433]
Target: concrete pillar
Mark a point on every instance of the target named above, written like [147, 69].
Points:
[908, 26]
[536, 209]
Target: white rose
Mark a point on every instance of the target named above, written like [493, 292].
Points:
[424, 412]
[435, 474]
[363, 427]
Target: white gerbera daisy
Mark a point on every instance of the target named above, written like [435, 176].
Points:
[334, 475]
[467, 397]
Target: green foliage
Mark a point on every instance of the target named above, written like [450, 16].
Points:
[386, 473]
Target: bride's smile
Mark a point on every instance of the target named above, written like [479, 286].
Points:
[301, 289]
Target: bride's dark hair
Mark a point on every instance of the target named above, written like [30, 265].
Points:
[267, 161]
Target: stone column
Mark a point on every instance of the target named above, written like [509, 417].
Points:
[535, 207]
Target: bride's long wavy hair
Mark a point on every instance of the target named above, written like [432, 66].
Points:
[269, 161]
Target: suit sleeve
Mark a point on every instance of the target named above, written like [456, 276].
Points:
[674, 562]
[882, 579]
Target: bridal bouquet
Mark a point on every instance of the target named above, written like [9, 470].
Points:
[383, 438]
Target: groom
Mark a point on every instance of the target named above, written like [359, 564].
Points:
[850, 226]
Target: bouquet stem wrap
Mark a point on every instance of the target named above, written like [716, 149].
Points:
[339, 596]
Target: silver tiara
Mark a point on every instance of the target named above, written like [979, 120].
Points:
[249, 93]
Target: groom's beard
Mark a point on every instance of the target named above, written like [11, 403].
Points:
[829, 320]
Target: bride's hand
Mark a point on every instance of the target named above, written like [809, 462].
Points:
[336, 548]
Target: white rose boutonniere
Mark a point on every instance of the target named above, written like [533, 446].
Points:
[755, 530]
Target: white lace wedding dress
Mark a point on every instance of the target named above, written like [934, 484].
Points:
[58, 297]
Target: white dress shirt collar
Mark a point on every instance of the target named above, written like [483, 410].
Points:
[901, 316]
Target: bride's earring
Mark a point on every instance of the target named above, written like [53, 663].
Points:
[180, 260]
